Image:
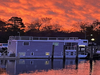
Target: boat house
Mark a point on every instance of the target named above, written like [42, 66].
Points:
[41, 47]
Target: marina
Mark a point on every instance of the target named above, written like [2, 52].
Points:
[28, 47]
[46, 47]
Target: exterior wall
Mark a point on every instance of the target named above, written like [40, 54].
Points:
[12, 47]
[58, 50]
[39, 49]
[81, 42]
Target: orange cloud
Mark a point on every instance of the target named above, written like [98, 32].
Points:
[64, 12]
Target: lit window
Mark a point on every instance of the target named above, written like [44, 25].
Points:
[26, 43]
[21, 61]
[22, 53]
[46, 62]
[47, 53]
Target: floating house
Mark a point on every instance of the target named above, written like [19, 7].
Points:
[43, 47]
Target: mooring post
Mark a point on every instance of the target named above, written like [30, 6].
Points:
[64, 52]
[90, 65]
[76, 60]
[85, 49]
[53, 51]
[64, 56]
[53, 46]
[77, 52]
[91, 53]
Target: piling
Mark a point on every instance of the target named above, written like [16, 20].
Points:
[77, 52]
[52, 51]
[91, 52]
[64, 56]
[76, 60]
[90, 65]
[52, 56]
[85, 49]
[64, 52]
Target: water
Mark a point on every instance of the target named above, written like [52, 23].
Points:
[49, 67]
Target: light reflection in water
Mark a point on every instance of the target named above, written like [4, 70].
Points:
[48, 67]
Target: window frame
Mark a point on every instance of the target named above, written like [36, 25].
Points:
[26, 45]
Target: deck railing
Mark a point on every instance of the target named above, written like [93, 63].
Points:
[41, 38]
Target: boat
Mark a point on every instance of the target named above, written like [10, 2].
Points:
[45, 47]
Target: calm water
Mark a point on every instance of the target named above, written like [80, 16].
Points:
[49, 67]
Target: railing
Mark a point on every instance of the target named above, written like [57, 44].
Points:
[41, 38]
[70, 48]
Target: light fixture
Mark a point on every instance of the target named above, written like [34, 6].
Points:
[92, 39]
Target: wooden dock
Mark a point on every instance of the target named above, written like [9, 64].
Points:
[7, 57]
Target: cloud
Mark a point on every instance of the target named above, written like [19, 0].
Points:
[64, 12]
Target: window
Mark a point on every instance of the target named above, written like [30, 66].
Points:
[71, 53]
[67, 53]
[46, 62]
[22, 53]
[32, 53]
[74, 44]
[26, 43]
[31, 62]
[47, 53]
[84, 41]
[9, 43]
[68, 44]
[21, 61]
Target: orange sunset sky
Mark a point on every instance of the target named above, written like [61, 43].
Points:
[63, 12]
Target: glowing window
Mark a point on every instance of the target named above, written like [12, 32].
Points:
[21, 61]
[47, 53]
[46, 62]
[22, 53]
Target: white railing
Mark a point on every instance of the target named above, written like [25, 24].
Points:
[41, 38]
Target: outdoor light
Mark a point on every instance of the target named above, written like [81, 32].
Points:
[91, 35]
[92, 39]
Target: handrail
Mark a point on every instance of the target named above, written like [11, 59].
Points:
[41, 38]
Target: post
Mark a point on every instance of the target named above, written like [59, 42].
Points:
[90, 65]
[77, 52]
[52, 56]
[91, 53]
[53, 51]
[64, 52]
[85, 50]
[76, 60]
[64, 56]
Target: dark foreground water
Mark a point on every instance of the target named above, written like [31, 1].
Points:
[49, 67]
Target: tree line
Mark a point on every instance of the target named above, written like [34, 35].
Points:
[44, 28]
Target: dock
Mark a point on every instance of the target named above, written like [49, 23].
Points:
[8, 58]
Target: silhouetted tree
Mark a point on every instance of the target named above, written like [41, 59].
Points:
[15, 25]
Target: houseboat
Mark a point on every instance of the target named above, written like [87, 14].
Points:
[42, 47]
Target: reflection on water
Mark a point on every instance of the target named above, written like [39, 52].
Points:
[49, 67]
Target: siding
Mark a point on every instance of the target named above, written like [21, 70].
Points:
[12, 46]
[40, 48]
